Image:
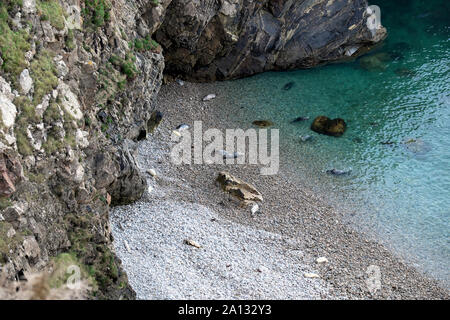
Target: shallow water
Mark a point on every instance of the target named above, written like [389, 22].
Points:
[399, 190]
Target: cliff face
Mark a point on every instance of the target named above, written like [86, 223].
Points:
[209, 40]
[78, 83]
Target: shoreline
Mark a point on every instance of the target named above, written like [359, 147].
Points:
[297, 226]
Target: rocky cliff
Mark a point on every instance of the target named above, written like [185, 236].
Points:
[78, 83]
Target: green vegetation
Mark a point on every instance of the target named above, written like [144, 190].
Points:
[70, 40]
[126, 66]
[43, 72]
[52, 11]
[98, 258]
[4, 203]
[27, 115]
[23, 144]
[145, 44]
[96, 12]
[62, 264]
[8, 243]
[13, 44]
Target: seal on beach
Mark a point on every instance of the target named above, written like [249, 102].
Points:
[300, 119]
[288, 86]
[337, 172]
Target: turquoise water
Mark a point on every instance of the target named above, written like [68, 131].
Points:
[398, 95]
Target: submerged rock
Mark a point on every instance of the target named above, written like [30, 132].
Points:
[417, 146]
[263, 123]
[325, 125]
[288, 86]
[375, 62]
[337, 172]
[300, 119]
[405, 72]
[242, 191]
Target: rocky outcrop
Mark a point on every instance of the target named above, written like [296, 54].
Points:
[215, 40]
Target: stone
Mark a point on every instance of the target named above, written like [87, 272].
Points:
[254, 209]
[262, 269]
[31, 247]
[417, 146]
[69, 101]
[263, 123]
[375, 62]
[192, 243]
[127, 246]
[151, 172]
[81, 138]
[325, 125]
[154, 121]
[321, 260]
[11, 173]
[5, 89]
[311, 275]
[209, 97]
[244, 192]
[288, 86]
[61, 68]
[25, 81]
[8, 111]
[28, 6]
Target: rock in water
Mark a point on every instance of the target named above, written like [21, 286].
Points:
[375, 62]
[154, 121]
[299, 119]
[405, 72]
[288, 86]
[263, 123]
[325, 125]
[417, 146]
[209, 97]
[337, 172]
[244, 192]
[305, 138]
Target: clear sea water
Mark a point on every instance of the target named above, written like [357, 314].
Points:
[400, 190]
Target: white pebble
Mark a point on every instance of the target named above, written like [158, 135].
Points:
[311, 275]
[255, 208]
[150, 189]
[152, 172]
[209, 97]
[322, 260]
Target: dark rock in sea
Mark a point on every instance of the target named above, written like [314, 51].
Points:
[263, 123]
[375, 62]
[405, 72]
[154, 121]
[337, 172]
[387, 143]
[417, 146]
[300, 119]
[325, 125]
[357, 140]
[288, 86]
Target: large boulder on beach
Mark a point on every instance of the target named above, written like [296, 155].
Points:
[242, 191]
[325, 125]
